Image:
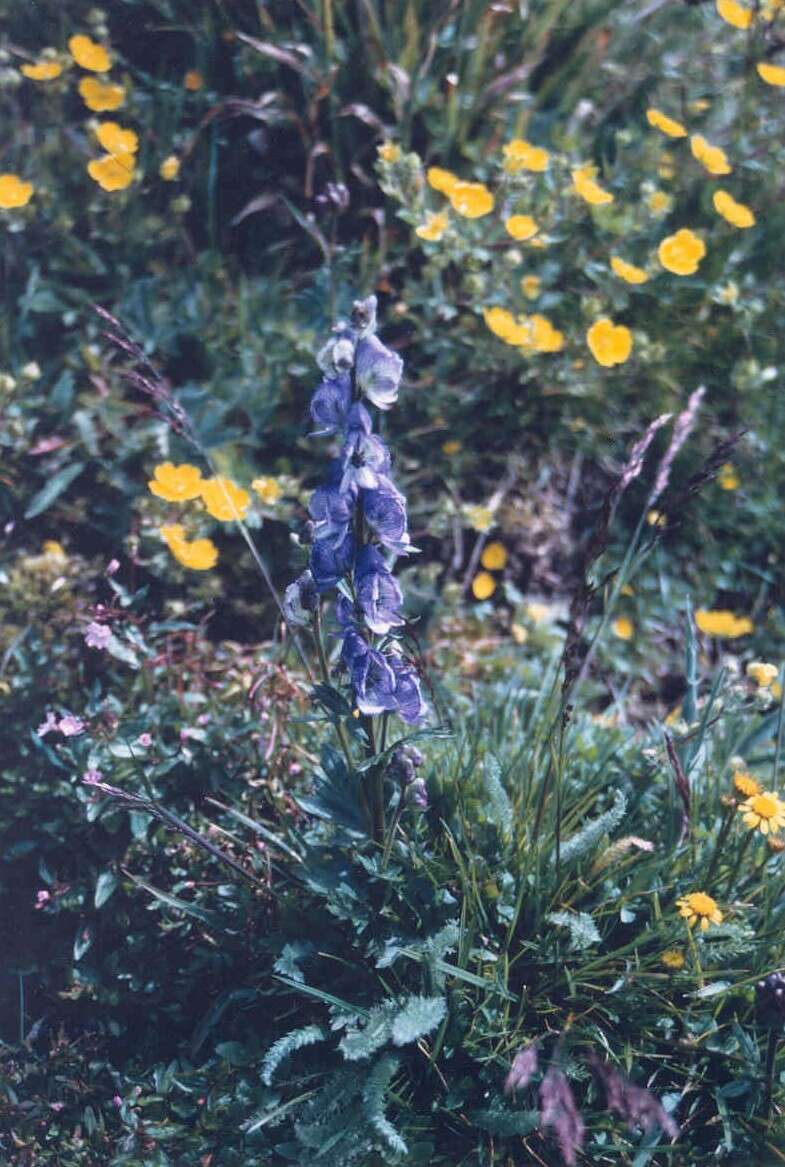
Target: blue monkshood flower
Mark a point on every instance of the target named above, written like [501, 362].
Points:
[408, 695]
[417, 794]
[332, 508]
[378, 592]
[364, 456]
[385, 513]
[378, 371]
[364, 316]
[329, 562]
[300, 599]
[373, 679]
[337, 355]
[330, 404]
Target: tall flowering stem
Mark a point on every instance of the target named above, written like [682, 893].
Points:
[359, 527]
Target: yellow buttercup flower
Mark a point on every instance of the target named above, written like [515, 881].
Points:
[113, 171]
[734, 13]
[471, 199]
[193, 80]
[745, 784]
[764, 812]
[628, 271]
[585, 184]
[530, 286]
[610, 344]
[483, 585]
[433, 228]
[727, 477]
[101, 96]
[442, 180]
[762, 672]
[494, 557]
[624, 628]
[89, 55]
[721, 622]
[521, 227]
[14, 192]
[224, 500]
[268, 489]
[541, 336]
[116, 140]
[682, 253]
[699, 908]
[737, 214]
[771, 74]
[176, 483]
[169, 168]
[713, 158]
[659, 202]
[521, 155]
[503, 324]
[42, 70]
[389, 152]
[668, 126]
[673, 959]
[197, 555]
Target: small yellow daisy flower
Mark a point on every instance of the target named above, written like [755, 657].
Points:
[764, 812]
[699, 908]
[745, 784]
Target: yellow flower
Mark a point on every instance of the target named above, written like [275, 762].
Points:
[521, 226]
[764, 812]
[610, 344]
[14, 192]
[53, 549]
[471, 199]
[659, 203]
[762, 672]
[656, 519]
[42, 70]
[169, 168]
[268, 489]
[737, 214]
[713, 158]
[530, 286]
[198, 555]
[521, 155]
[479, 517]
[494, 557]
[483, 585]
[101, 96]
[628, 271]
[193, 80]
[745, 784]
[451, 447]
[89, 55]
[624, 628]
[116, 140]
[176, 483]
[673, 959]
[669, 126]
[224, 500]
[442, 180]
[727, 477]
[681, 253]
[734, 13]
[541, 336]
[433, 228]
[113, 171]
[721, 622]
[584, 184]
[699, 907]
[389, 152]
[503, 324]
[771, 74]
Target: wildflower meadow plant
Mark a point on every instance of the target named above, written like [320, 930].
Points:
[358, 528]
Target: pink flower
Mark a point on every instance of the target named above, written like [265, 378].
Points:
[71, 726]
[144, 740]
[97, 635]
[112, 566]
[90, 777]
[42, 898]
[47, 726]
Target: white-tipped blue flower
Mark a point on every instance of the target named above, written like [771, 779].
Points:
[378, 372]
[300, 599]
